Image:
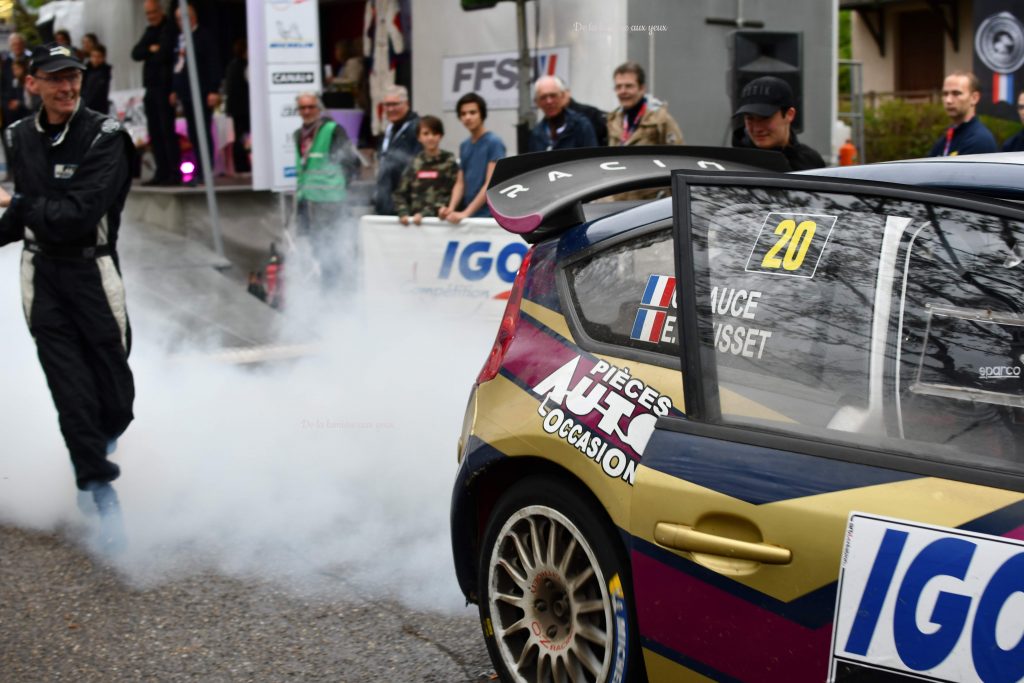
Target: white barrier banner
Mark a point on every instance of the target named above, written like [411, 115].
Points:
[463, 270]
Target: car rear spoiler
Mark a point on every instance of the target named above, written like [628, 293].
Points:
[539, 194]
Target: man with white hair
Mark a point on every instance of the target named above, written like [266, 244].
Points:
[325, 162]
[397, 147]
[561, 127]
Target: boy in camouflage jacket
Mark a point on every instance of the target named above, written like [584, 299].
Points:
[426, 185]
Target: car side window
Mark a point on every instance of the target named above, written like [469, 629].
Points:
[961, 333]
[868, 320]
[626, 294]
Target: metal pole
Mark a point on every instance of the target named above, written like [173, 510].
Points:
[201, 133]
[525, 79]
[856, 113]
[650, 62]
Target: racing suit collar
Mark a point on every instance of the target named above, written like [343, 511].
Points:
[67, 124]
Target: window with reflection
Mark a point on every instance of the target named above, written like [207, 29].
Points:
[870, 320]
[626, 295]
[961, 323]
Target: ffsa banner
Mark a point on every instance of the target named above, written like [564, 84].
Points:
[999, 55]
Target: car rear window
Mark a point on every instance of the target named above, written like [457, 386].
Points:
[626, 295]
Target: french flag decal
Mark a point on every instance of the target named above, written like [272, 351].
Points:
[648, 325]
[1002, 87]
[659, 291]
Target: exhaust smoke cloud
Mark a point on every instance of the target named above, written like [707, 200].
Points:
[336, 466]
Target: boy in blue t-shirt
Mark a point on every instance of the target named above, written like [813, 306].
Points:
[477, 156]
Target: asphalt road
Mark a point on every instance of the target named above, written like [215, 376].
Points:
[66, 615]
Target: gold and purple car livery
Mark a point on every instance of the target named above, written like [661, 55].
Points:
[769, 429]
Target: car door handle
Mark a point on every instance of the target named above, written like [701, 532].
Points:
[682, 537]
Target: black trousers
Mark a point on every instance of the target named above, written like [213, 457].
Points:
[76, 312]
[162, 137]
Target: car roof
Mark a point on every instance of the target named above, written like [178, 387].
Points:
[595, 172]
[993, 175]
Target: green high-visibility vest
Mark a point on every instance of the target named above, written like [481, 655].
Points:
[320, 180]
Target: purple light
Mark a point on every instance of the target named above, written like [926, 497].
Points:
[187, 168]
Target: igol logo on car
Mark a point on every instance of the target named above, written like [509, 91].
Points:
[587, 412]
[292, 77]
[971, 585]
[474, 261]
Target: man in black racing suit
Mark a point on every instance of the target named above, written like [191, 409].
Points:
[71, 177]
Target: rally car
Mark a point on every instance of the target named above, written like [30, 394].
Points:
[770, 428]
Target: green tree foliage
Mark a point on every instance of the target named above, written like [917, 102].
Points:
[902, 130]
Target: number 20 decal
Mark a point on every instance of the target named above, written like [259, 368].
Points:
[790, 244]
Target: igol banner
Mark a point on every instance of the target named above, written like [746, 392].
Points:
[999, 55]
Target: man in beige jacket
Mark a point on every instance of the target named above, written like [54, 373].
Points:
[639, 120]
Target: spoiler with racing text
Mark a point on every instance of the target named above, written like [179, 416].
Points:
[538, 194]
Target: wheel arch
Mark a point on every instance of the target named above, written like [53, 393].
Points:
[480, 493]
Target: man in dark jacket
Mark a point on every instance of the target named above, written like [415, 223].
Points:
[208, 66]
[236, 91]
[768, 108]
[961, 92]
[156, 52]
[1016, 142]
[561, 128]
[71, 169]
[598, 119]
[397, 147]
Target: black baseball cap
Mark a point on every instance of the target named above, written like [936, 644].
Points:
[764, 96]
[53, 57]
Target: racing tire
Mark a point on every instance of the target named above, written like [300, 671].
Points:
[556, 600]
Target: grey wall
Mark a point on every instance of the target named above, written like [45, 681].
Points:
[692, 60]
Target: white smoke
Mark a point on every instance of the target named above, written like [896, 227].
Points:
[333, 467]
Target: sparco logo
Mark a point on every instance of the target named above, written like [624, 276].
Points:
[999, 371]
[286, 77]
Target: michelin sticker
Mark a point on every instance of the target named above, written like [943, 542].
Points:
[602, 411]
[918, 602]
